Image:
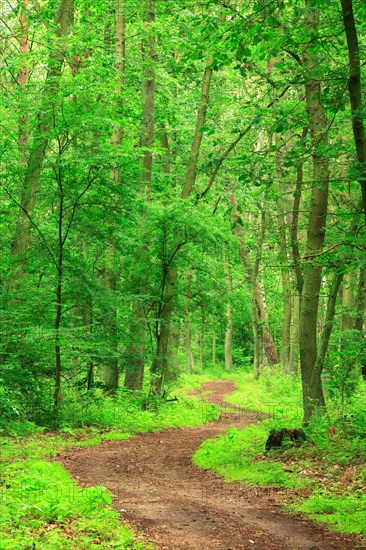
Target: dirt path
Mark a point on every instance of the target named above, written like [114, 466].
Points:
[159, 491]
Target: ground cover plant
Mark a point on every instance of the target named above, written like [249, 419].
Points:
[40, 503]
[324, 477]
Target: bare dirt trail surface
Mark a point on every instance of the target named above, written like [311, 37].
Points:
[178, 506]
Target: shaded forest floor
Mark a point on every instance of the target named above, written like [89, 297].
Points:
[176, 505]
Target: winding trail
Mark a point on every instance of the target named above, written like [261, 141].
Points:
[178, 506]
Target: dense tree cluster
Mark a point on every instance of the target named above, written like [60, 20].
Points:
[181, 182]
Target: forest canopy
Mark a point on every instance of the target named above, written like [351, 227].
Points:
[183, 184]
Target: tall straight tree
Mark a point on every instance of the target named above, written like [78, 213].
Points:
[170, 272]
[355, 93]
[313, 396]
[37, 153]
[135, 352]
[109, 276]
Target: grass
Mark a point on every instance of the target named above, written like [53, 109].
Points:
[325, 478]
[42, 507]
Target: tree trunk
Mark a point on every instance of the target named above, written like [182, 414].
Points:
[148, 93]
[259, 314]
[294, 344]
[286, 288]
[214, 348]
[23, 77]
[348, 302]
[198, 135]
[109, 278]
[313, 397]
[355, 93]
[136, 350]
[173, 349]
[134, 355]
[229, 320]
[170, 275]
[360, 317]
[22, 238]
[190, 356]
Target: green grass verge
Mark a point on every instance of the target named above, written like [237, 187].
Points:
[236, 455]
[326, 477]
[42, 507]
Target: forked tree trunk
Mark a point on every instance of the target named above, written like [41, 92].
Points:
[160, 364]
[259, 315]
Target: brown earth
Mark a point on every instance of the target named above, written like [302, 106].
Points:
[176, 505]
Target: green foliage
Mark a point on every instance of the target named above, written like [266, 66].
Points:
[345, 513]
[237, 456]
[43, 506]
[274, 393]
[326, 473]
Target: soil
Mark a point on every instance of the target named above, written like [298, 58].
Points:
[172, 503]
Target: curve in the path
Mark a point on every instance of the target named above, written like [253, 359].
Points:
[178, 506]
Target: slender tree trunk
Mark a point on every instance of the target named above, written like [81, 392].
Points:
[259, 315]
[229, 319]
[22, 238]
[23, 76]
[355, 93]
[109, 277]
[198, 134]
[136, 349]
[348, 302]
[148, 93]
[190, 356]
[214, 348]
[286, 288]
[170, 275]
[294, 344]
[313, 397]
[134, 355]
[360, 317]
[173, 348]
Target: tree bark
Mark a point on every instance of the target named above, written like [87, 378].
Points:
[190, 356]
[355, 93]
[148, 93]
[136, 350]
[313, 397]
[22, 238]
[134, 355]
[259, 314]
[191, 170]
[109, 278]
[286, 288]
[23, 77]
[170, 270]
[229, 319]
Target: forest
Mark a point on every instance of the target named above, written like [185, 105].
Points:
[183, 244]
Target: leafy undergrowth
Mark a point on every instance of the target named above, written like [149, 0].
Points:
[325, 478]
[42, 507]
